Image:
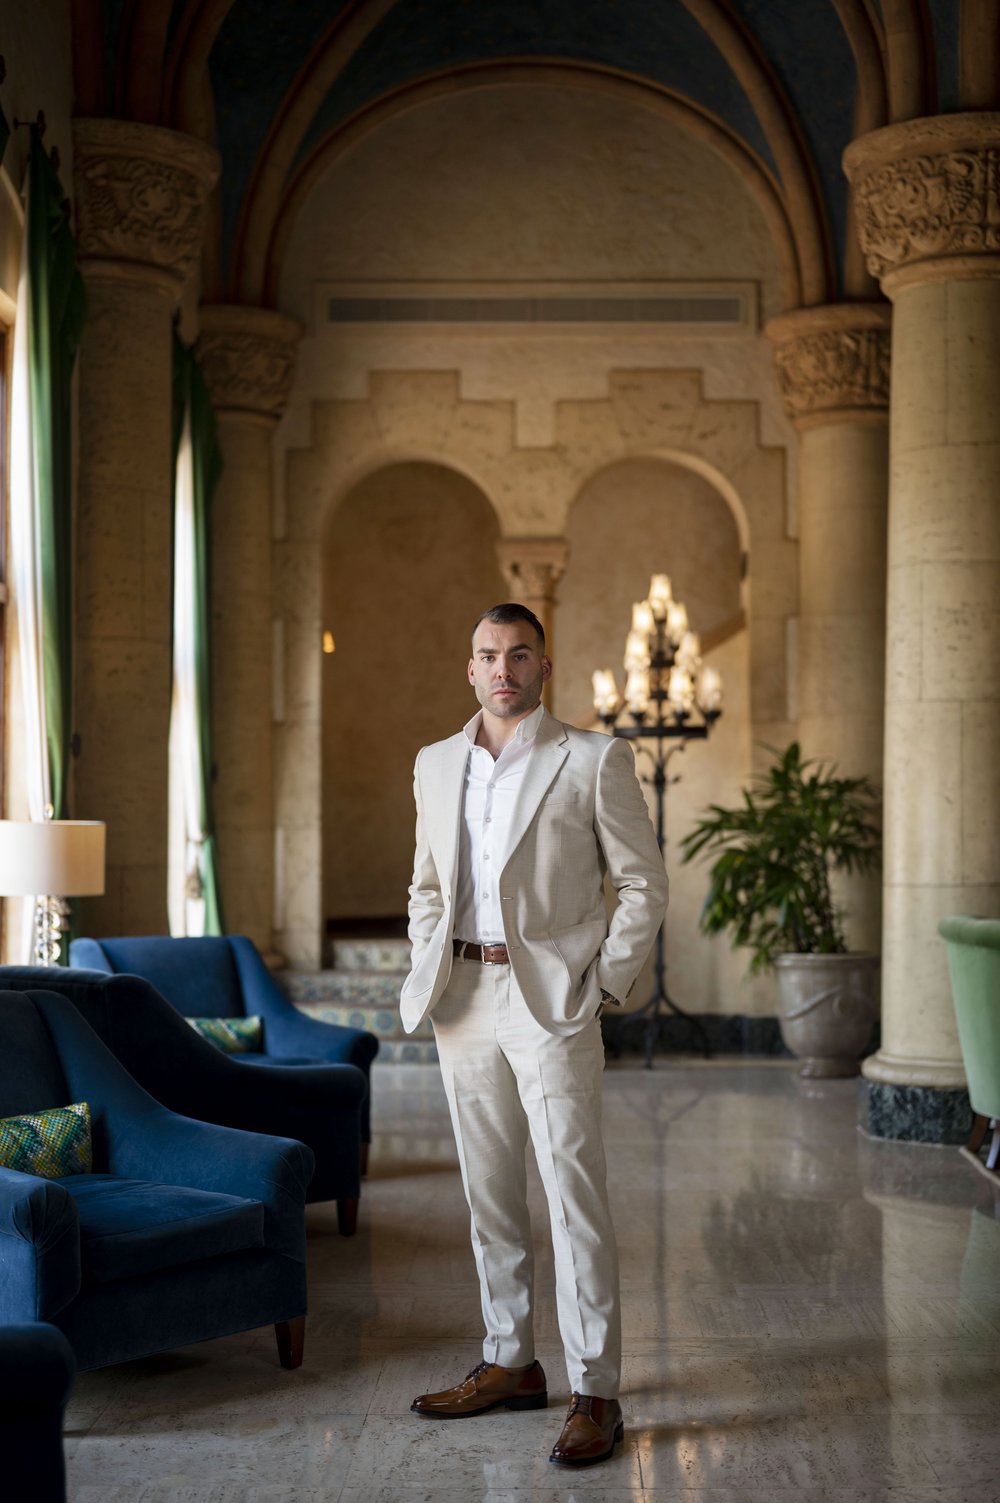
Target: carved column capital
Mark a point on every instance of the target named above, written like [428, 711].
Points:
[927, 198]
[141, 201]
[533, 567]
[832, 363]
[247, 356]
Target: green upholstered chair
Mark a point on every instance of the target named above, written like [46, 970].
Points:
[974, 964]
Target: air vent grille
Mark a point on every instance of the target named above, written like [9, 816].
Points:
[719, 311]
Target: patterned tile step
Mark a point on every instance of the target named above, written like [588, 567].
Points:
[372, 955]
[394, 1044]
[343, 988]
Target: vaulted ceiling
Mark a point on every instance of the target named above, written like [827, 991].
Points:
[779, 86]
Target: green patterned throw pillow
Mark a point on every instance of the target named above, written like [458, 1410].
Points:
[50, 1143]
[231, 1035]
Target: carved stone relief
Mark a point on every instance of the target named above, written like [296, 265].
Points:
[833, 360]
[141, 195]
[926, 191]
[247, 356]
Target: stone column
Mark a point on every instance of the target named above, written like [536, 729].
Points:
[833, 372]
[928, 204]
[247, 356]
[532, 568]
[141, 196]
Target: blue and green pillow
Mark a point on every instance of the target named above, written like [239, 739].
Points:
[50, 1143]
[231, 1035]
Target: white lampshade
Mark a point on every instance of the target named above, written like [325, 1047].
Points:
[63, 857]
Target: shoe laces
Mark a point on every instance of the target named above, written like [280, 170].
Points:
[478, 1370]
[581, 1404]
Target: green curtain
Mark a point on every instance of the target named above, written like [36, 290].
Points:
[57, 315]
[191, 396]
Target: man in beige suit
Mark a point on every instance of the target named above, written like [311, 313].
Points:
[514, 957]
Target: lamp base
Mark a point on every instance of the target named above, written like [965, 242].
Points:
[51, 914]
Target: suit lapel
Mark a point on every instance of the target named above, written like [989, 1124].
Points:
[444, 810]
[548, 754]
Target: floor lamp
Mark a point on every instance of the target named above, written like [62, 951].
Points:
[51, 860]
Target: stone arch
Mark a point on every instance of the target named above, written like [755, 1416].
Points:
[424, 416]
[266, 229]
[702, 467]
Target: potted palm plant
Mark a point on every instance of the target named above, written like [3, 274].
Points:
[770, 886]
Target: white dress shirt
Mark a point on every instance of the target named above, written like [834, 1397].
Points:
[490, 790]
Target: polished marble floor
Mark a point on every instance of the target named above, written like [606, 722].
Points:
[808, 1315]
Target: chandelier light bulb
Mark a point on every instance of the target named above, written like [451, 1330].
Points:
[642, 618]
[681, 690]
[607, 700]
[689, 651]
[636, 651]
[710, 691]
[660, 595]
[677, 621]
[637, 691]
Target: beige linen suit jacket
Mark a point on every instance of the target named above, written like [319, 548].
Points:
[578, 813]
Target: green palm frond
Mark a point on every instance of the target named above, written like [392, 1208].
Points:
[769, 881]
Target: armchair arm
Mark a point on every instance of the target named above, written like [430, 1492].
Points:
[139, 1138]
[39, 1247]
[36, 1370]
[162, 1146]
[322, 1105]
[287, 1031]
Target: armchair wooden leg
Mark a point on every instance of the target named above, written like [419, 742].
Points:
[291, 1337]
[364, 1159]
[347, 1217]
[980, 1127]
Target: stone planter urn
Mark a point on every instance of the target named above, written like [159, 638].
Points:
[827, 1007]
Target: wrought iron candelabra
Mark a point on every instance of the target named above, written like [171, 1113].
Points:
[670, 698]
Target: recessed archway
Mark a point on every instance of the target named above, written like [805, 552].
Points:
[409, 561]
[633, 517]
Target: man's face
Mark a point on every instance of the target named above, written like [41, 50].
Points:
[507, 668]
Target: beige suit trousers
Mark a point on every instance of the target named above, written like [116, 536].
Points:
[508, 1079]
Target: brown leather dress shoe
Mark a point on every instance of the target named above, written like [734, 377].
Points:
[488, 1386]
[592, 1430]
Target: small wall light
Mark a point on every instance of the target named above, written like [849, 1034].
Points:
[328, 642]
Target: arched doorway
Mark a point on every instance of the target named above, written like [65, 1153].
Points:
[409, 561]
[633, 518]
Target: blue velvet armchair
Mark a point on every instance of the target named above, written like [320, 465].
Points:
[183, 1232]
[226, 978]
[36, 1375]
[320, 1104]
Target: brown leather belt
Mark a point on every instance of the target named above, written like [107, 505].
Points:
[485, 954]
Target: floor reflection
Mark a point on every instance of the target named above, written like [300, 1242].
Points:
[807, 1315]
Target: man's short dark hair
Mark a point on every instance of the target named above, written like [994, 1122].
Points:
[507, 615]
